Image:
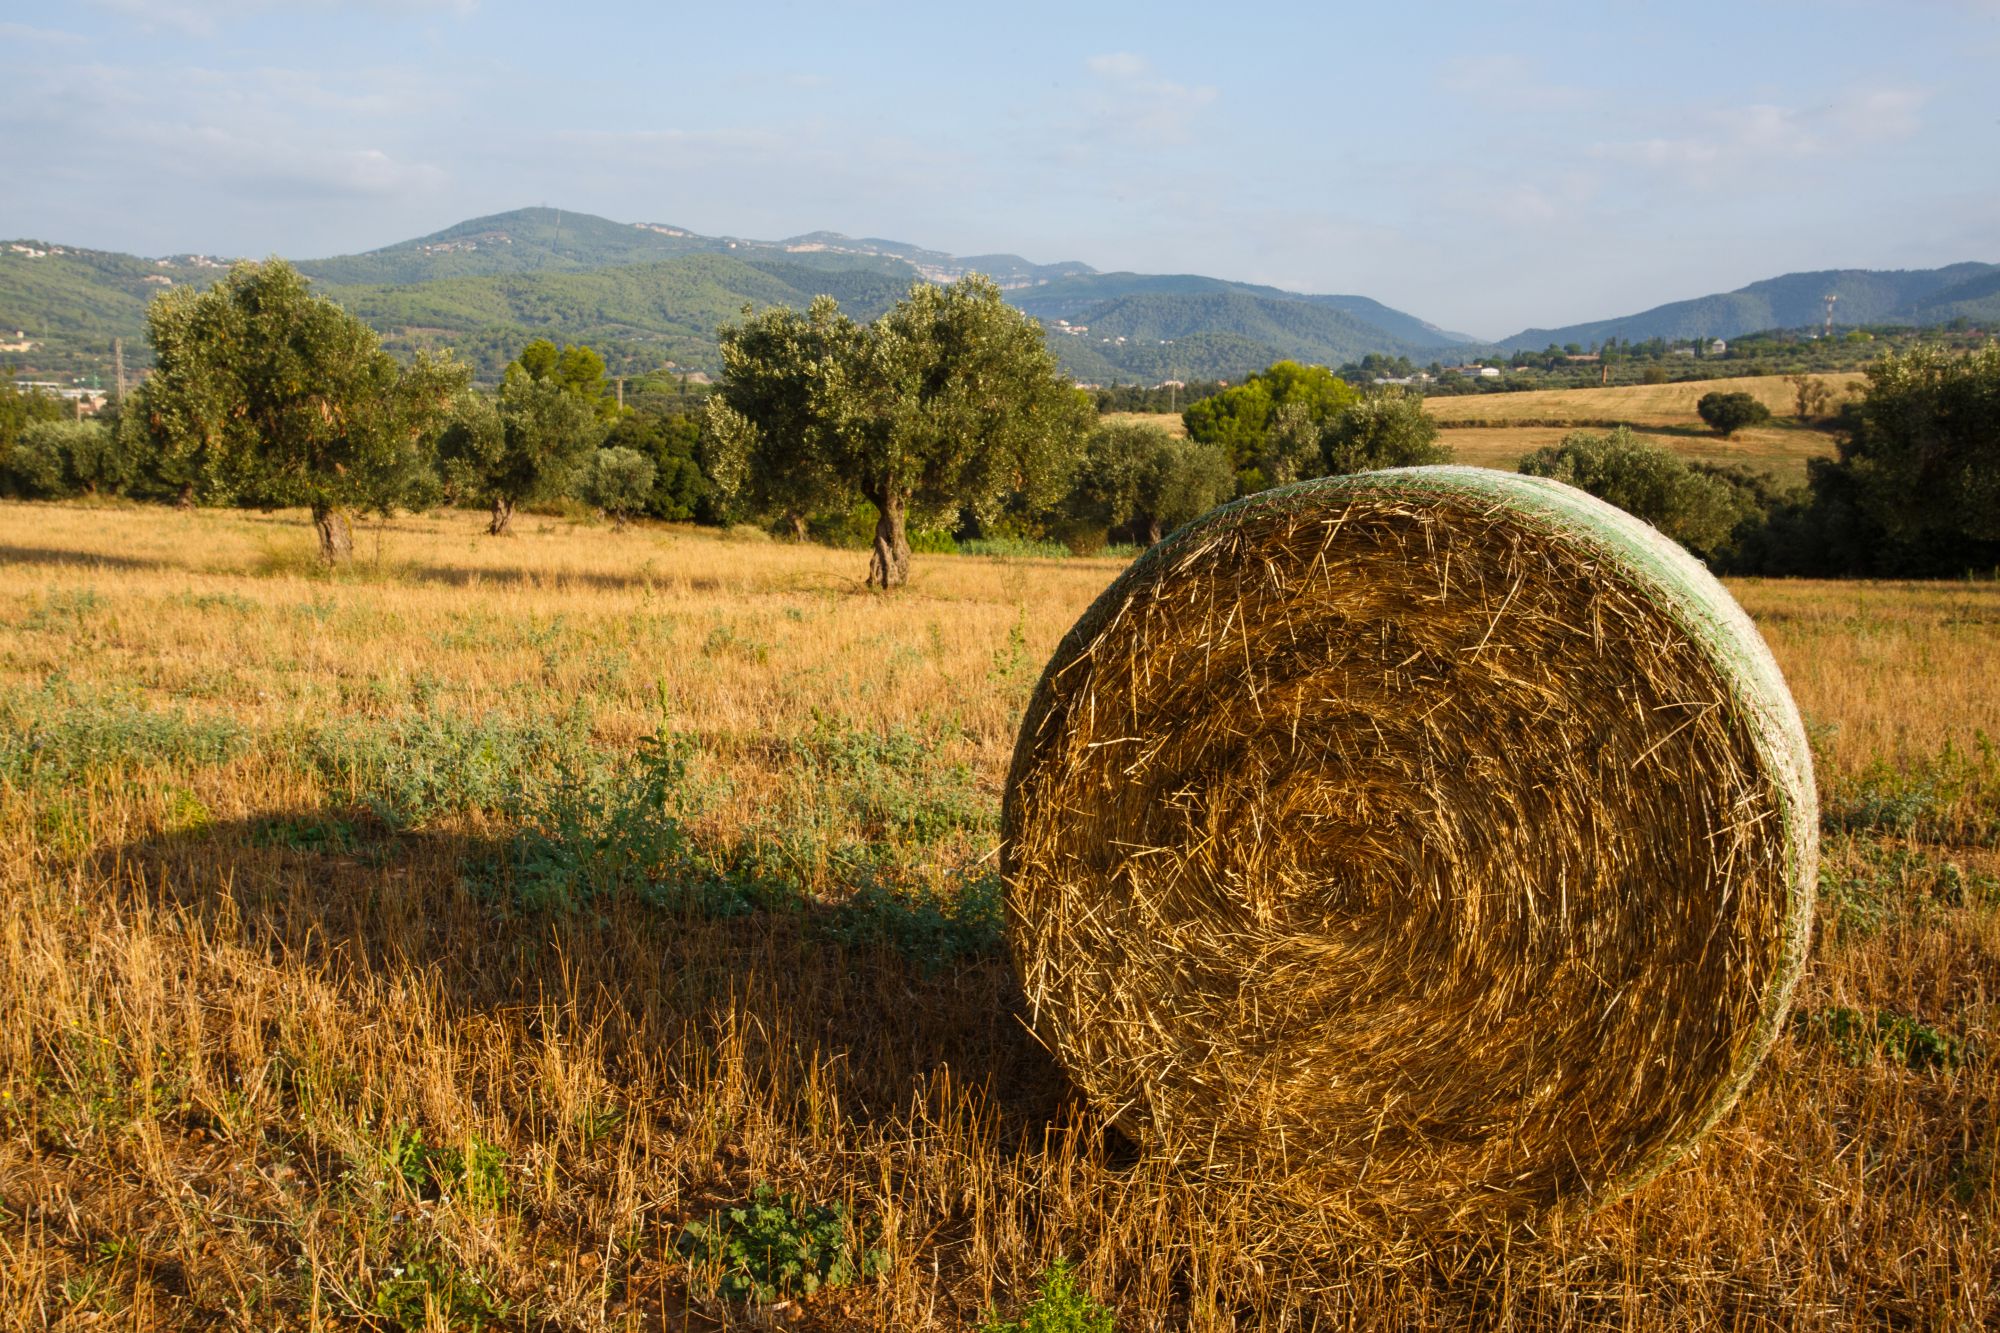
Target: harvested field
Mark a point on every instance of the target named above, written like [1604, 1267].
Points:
[1633, 404]
[363, 969]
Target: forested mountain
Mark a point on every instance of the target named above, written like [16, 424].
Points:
[644, 293]
[1798, 300]
[1218, 334]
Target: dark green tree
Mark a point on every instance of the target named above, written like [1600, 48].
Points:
[1728, 413]
[1922, 458]
[1698, 509]
[1239, 419]
[672, 441]
[1386, 428]
[282, 397]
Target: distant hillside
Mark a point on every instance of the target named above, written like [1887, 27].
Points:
[644, 293]
[1219, 334]
[1076, 299]
[637, 316]
[527, 240]
[1798, 300]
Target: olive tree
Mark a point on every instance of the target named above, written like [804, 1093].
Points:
[1386, 428]
[1700, 510]
[768, 423]
[286, 399]
[619, 481]
[529, 445]
[949, 401]
[1136, 473]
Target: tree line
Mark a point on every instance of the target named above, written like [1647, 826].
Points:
[944, 417]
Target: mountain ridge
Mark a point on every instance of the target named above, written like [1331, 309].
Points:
[647, 291]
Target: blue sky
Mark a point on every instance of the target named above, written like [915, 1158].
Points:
[1487, 167]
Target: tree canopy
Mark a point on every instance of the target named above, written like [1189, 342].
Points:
[949, 401]
[267, 392]
[1240, 418]
[1731, 412]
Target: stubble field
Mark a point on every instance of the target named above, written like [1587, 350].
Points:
[429, 944]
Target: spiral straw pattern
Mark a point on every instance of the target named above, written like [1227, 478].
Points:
[1430, 844]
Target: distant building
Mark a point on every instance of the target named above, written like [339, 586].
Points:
[1718, 347]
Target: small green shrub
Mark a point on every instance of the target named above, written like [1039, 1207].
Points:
[1858, 1035]
[63, 734]
[416, 767]
[773, 1246]
[409, 1292]
[1060, 1306]
[599, 827]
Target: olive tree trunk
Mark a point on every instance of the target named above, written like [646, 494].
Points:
[798, 525]
[889, 565]
[336, 534]
[503, 514]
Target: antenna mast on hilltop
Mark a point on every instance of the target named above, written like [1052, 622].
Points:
[1830, 299]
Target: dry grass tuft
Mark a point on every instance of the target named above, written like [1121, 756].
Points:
[1436, 844]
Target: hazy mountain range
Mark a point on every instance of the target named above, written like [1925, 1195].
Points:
[647, 293]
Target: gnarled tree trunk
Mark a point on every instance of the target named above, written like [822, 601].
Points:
[336, 534]
[798, 525]
[503, 514]
[889, 565]
[185, 500]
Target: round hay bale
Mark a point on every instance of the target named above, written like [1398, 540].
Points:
[1431, 844]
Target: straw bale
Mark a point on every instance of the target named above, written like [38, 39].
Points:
[1434, 845]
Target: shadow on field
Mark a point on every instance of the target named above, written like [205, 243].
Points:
[47, 555]
[669, 993]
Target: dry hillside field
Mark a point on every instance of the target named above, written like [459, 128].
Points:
[429, 944]
[1500, 429]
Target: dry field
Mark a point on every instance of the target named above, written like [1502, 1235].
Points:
[1632, 404]
[363, 968]
[1499, 429]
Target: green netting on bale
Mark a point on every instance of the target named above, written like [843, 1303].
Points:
[1437, 842]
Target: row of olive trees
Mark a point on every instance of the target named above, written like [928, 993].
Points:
[265, 394]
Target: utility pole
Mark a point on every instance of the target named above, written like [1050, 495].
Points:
[1830, 299]
[118, 363]
[621, 393]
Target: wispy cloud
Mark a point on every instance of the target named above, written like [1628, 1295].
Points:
[1129, 99]
[1723, 143]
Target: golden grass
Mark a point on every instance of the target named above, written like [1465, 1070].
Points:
[232, 991]
[1170, 422]
[1633, 404]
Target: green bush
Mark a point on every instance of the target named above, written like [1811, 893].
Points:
[64, 734]
[1060, 1306]
[772, 1246]
[1700, 510]
[1731, 412]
